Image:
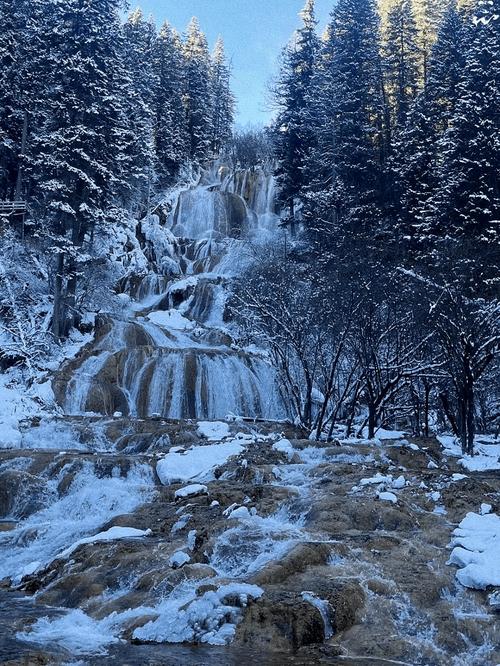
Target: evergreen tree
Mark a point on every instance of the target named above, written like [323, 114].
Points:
[222, 99]
[13, 91]
[293, 128]
[465, 208]
[76, 131]
[197, 97]
[428, 15]
[351, 145]
[171, 140]
[401, 60]
[138, 86]
[416, 154]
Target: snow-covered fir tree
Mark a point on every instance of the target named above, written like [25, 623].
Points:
[350, 143]
[401, 60]
[14, 49]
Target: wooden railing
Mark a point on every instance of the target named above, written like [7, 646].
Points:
[8, 208]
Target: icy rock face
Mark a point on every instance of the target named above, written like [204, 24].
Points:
[171, 353]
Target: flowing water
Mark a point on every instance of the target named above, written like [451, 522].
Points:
[100, 563]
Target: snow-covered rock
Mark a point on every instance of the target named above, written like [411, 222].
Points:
[191, 491]
[171, 319]
[374, 480]
[476, 550]
[179, 559]
[399, 483]
[388, 497]
[211, 618]
[284, 446]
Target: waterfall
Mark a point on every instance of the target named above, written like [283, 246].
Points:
[172, 353]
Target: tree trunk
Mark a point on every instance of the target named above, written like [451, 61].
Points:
[19, 181]
[293, 229]
[427, 394]
[58, 309]
[443, 396]
[372, 420]
[470, 420]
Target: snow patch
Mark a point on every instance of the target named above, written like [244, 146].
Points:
[113, 534]
[197, 463]
[214, 431]
[191, 491]
[171, 319]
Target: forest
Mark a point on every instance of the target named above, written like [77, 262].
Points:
[382, 293]
[250, 373]
[387, 159]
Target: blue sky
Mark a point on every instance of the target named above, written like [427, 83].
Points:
[254, 32]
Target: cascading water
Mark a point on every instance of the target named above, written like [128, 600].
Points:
[171, 354]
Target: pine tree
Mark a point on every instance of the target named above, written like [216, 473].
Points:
[171, 140]
[292, 130]
[222, 99]
[401, 60]
[197, 98]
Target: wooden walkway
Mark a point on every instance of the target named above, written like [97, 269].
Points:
[8, 208]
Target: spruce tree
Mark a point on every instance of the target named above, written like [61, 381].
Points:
[417, 152]
[222, 100]
[355, 85]
[293, 136]
[465, 208]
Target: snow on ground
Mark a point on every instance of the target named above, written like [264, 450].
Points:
[214, 431]
[197, 463]
[476, 550]
[486, 457]
[382, 433]
[113, 534]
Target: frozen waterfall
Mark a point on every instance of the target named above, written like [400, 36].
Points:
[172, 354]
